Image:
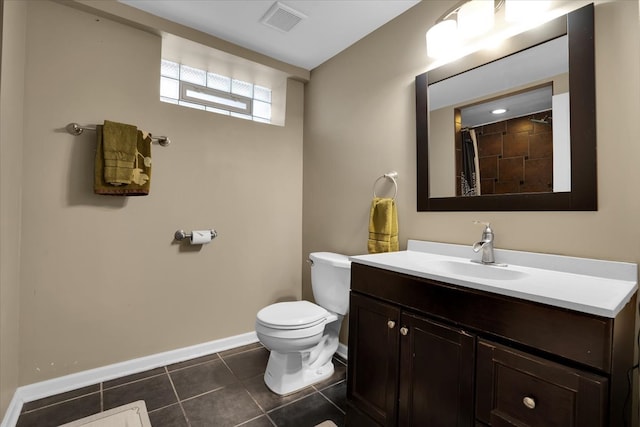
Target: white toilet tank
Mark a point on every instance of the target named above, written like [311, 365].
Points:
[331, 281]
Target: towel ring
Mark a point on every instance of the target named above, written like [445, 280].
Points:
[392, 176]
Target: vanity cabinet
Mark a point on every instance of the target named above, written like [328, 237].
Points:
[406, 369]
[429, 353]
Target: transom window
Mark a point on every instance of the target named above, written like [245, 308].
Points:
[200, 89]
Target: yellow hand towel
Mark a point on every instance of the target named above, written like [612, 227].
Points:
[383, 226]
[139, 175]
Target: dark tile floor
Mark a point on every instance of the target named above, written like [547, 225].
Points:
[222, 389]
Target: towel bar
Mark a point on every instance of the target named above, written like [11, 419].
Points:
[76, 129]
[392, 176]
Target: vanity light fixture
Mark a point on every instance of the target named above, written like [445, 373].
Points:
[498, 111]
[467, 19]
[465, 26]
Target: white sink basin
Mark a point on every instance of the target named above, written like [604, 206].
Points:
[591, 286]
[475, 270]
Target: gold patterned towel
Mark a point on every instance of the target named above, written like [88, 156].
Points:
[119, 146]
[383, 226]
[114, 173]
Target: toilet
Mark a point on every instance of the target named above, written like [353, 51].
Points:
[303, 336]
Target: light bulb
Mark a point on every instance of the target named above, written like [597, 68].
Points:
[442, 38]
[475, 17]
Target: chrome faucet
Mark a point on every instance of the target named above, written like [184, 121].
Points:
[486, 244]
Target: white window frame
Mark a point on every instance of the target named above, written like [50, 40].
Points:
[185, 87]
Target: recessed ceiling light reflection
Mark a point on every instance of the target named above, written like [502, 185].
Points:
[499, 111]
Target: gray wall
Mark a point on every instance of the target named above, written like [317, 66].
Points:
[11, 135]
[360, 123]
[91, 281]
[101, 280]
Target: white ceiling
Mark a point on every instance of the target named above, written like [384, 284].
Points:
[330, 26]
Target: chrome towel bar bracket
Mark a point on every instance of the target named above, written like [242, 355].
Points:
[76, 129]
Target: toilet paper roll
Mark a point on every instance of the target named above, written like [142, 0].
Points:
[201, 237]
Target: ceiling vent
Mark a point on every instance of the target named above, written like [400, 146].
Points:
[282, 17]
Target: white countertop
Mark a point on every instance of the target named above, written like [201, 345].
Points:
[587, 285]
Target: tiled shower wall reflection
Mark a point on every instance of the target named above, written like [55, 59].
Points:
[516, 156]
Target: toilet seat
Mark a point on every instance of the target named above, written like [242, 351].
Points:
[292, 315]
[290, 334]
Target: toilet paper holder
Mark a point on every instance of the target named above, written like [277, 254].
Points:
[181, 234]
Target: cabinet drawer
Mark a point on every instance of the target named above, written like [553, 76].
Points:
[516, 388]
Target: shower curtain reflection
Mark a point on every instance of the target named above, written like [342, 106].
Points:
[470, 173]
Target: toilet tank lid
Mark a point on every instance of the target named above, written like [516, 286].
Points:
[337, 260]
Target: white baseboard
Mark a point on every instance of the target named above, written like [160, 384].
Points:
[342, 351]
[13, 411]
[70, 382]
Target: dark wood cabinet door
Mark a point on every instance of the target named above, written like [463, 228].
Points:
[516, 388]
[436, 374]
[373, 358]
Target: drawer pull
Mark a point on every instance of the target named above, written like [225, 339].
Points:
[391, 324]
[529, 402]
[404, 330]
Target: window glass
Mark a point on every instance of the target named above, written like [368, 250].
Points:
[205, 90]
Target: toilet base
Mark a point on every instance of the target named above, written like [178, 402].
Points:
[286, 374]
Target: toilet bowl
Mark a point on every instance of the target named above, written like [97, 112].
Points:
[303, 336]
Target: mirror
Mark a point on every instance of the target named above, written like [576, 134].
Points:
[555, 60]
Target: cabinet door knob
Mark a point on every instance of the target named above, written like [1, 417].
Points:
[529, 402]
[404, 330]
[391, 324]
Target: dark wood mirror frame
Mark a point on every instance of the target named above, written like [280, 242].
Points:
[579, 26]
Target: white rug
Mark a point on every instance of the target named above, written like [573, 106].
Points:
[131, 415]
[326, 424]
